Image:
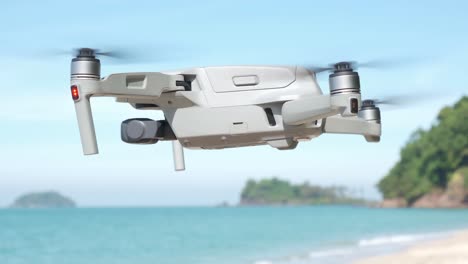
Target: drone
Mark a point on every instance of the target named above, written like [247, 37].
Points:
[227, 106]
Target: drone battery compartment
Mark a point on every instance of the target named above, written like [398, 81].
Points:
[249, 78]
[245, 80]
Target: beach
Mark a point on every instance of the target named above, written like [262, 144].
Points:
[452, 249]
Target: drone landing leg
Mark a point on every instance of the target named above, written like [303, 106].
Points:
[86, 126]
[178, 153]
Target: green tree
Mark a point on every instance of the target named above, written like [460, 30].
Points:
[430, 157]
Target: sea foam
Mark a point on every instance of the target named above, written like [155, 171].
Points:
[393, 239]
[263, 262]
[330, 253]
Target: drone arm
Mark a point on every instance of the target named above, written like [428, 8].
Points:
[308, 109]
[353, 125]
[135, 85]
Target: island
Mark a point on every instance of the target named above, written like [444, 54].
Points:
[48, 199]
[275, 191]
[433, 168]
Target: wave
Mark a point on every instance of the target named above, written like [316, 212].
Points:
[263, 262]
[362, 246]
[393, 239]
[298, 259]
[401, 238]
[330, 252]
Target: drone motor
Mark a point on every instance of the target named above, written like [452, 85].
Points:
[345, 88]
[344, 79]
[85, 65]
[369, 111]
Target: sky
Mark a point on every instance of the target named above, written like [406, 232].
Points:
[39, 140]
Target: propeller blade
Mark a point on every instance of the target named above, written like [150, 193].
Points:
[118, 55]
[404, 100]
[143, 54]
[394, 100]
[390, 63]
[372, 64]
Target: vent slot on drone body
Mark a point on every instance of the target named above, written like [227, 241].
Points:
[140, 106]
[136, 81]
[270, 116]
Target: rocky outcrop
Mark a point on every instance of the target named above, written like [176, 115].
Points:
[435, 199]
[454, 196]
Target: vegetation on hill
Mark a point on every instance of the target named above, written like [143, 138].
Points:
[464, 172]
[280, 192]
[49, 199]
[430, 157]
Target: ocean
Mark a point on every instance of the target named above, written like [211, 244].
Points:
[192, 235]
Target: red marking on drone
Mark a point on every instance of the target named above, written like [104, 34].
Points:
[74, 92]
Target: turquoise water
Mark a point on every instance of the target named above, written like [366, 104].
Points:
[322, 234]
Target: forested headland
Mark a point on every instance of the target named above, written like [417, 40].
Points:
[433, 166]
[275, 191]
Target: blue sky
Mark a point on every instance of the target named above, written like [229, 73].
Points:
[39, 140]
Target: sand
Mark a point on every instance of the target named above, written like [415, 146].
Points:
[453, 250]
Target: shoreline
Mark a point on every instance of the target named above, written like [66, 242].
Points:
[450, 249]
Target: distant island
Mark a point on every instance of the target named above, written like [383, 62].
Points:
[433, 168]
[275, 191]
[49, 199]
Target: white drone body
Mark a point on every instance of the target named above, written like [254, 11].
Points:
[225, 107]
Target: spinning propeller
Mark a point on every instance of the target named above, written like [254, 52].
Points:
[402, 100]
[117, 55]
[354, 65]
[88, 52]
